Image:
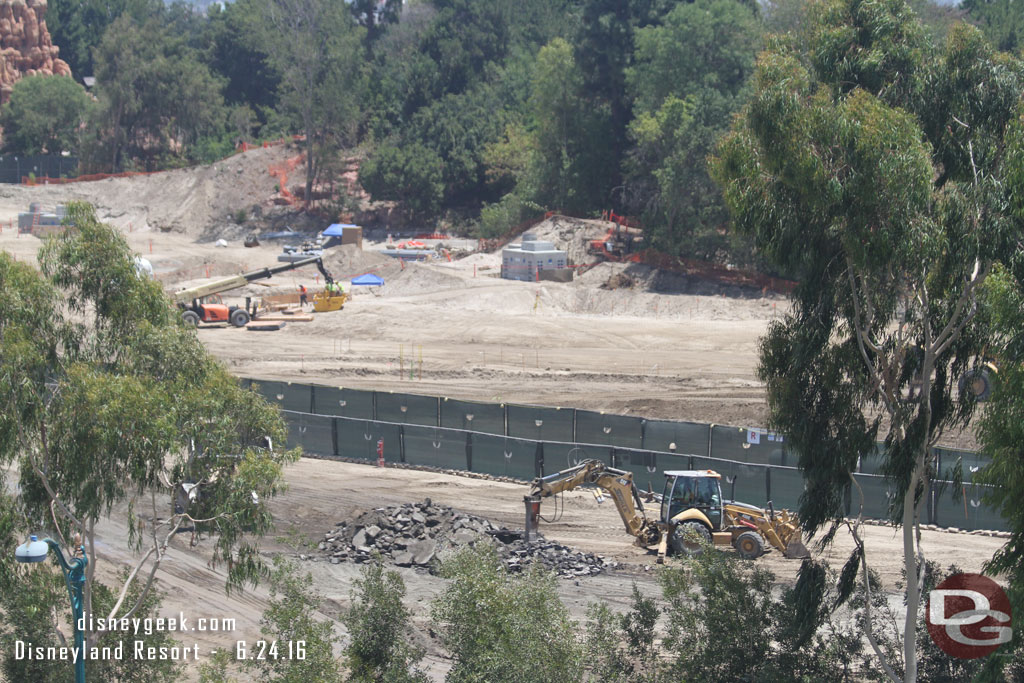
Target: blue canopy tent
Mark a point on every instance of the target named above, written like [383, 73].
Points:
[338, 229]
[368, 280]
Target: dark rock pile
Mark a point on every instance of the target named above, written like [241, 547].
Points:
[413, 534]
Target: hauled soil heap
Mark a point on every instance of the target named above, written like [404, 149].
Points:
[415, 534]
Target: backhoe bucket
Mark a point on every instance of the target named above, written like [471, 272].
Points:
[795, 549]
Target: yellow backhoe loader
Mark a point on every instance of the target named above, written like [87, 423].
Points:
[691, 512]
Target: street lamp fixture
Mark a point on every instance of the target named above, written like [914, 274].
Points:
[35, 550]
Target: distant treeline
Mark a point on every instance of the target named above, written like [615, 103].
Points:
[483, 113]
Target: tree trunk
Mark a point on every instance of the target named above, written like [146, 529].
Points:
[309, 166]
[913, 597]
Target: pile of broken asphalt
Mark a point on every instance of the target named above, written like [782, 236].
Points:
[415, 534]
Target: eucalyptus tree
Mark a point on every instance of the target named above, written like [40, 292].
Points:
[1001, 431]
[874, 168]
[106, 399]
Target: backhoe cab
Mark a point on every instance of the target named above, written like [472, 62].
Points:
[693, 509]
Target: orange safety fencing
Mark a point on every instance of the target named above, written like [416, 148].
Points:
[280, 171]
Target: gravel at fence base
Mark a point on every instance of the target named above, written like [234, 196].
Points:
[415, 534]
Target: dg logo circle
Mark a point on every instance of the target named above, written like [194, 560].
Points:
[968, 616]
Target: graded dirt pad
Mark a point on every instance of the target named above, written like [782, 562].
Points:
[322, 493]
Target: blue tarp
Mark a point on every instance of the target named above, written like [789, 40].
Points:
[337, 229]
[368, 279]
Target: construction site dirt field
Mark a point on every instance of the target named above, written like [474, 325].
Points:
[659, 347]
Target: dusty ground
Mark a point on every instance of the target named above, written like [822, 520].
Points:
[322, 493]
[686, 353]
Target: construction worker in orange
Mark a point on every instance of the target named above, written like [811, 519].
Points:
[302, 295]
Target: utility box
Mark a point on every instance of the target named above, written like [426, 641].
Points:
[342, 233]
[532, 259]
[42, 223]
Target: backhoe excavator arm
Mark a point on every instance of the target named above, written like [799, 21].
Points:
[619, 485]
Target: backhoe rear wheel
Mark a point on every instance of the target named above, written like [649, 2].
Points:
[749, 545]
[688, 538]
[191, 318]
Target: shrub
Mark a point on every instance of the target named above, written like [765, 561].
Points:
[378, 626]
[499, 627]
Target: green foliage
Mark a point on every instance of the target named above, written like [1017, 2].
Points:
[33, 599]
[289, 618]
[156, 98]
[690, 74]
[211, 148]
[622, 647]
[215, 668]
[451, 78]
[1001, 20]
[500, 627]
[107, 396]
[499, 218]
[77, 26]
[43, 115]
[378, 627]
[936, 665]
[716, 605]
[36, 610]
[879, 178]
[230, 53]
[568, 157]
[410, 173]
[1001, 434]
[315, 50]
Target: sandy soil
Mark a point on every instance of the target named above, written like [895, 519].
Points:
[664, 348]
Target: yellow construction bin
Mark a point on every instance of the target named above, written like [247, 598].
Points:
[328, 301]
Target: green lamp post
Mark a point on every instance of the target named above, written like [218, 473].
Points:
[74, 576]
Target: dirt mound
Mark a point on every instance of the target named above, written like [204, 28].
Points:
[202, 202]
[572, 235]
[348, 260]
[415, 534]
[620, 280]
[422, 278]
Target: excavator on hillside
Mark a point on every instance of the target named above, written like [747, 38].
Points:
[202, 303]
[691, 512]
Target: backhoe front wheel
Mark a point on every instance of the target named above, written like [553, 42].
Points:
[689, 538]
[749, 545]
